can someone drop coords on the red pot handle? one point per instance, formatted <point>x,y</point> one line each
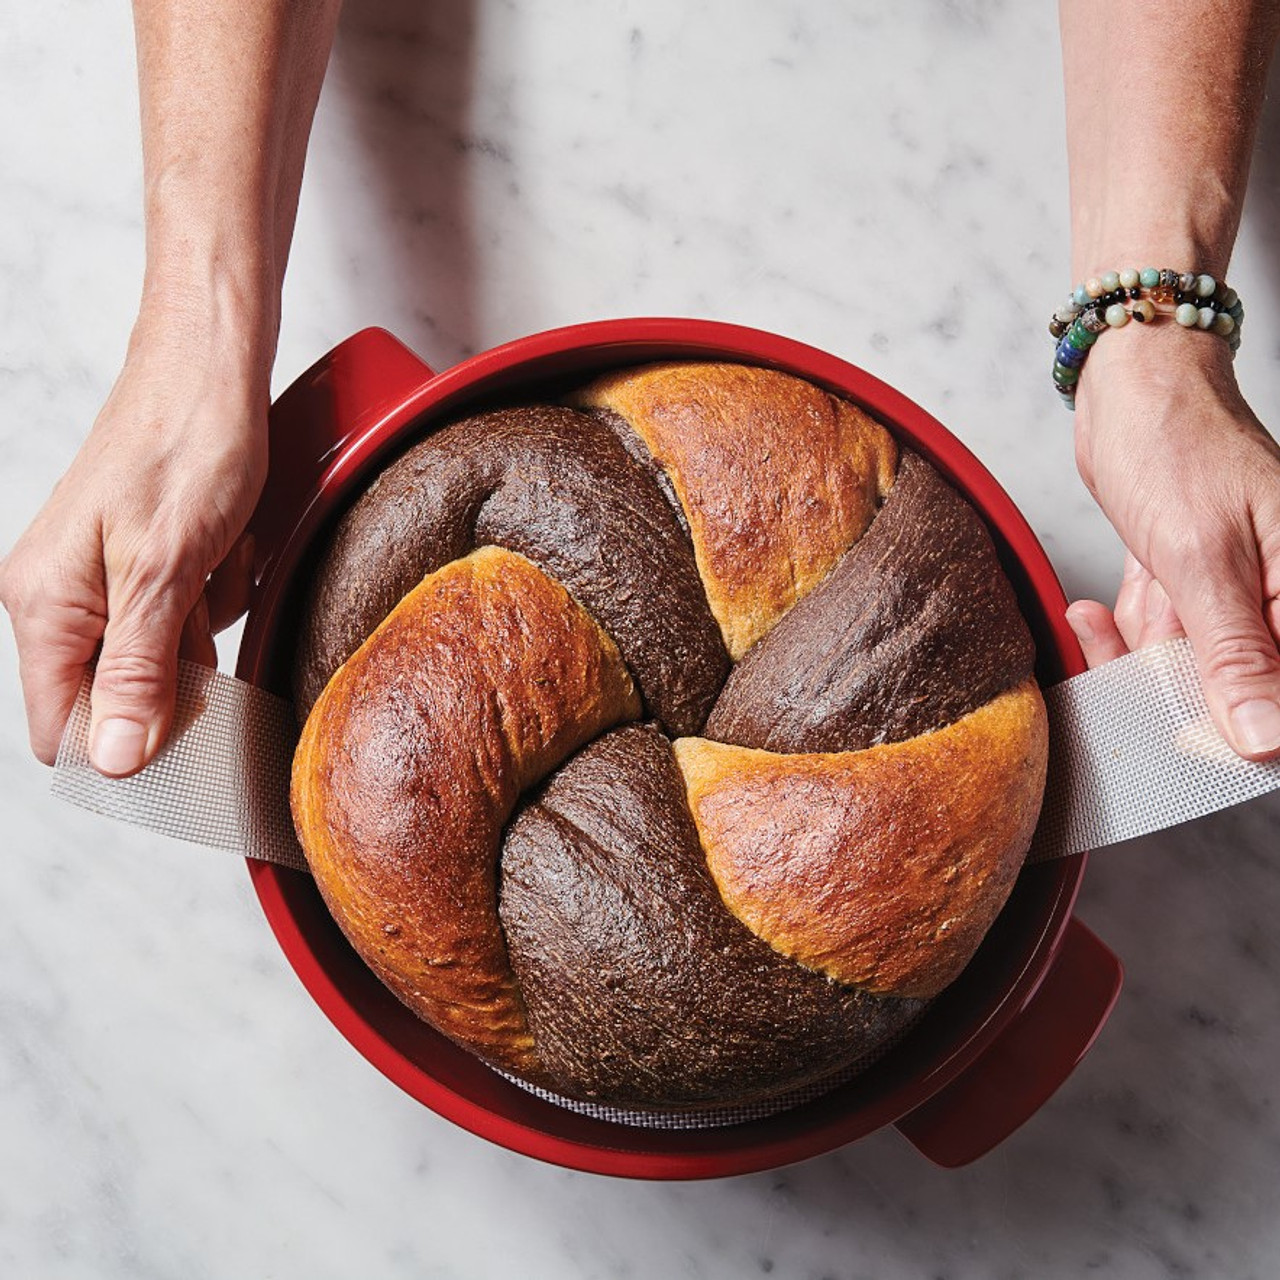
<point>341,397</point>
<point>1026,1064</point>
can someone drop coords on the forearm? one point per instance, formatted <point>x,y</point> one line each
<point>228,92</point>
<point>1163,98</point>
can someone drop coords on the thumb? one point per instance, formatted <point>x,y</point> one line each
<point>1220,603</point>
<point>133,687</point>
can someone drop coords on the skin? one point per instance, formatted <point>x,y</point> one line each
<point>139,547</point>
<point>1164,440</point>
<point>139,550</point>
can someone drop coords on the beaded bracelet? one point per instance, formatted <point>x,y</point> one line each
<point>1194,301</point>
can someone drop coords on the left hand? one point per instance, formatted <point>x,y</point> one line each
<point>1191,481</point>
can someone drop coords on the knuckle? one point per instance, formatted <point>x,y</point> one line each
<point>1197,547</point>
<point>1202,547</point>
<point>131,676</point>
<point>157,580</point>
<point>1236,658</point>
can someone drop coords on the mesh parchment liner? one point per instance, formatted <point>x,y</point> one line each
<point>222,778</point>
<point>1132,750</point>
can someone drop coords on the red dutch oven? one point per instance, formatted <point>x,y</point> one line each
<point>988,1052</point>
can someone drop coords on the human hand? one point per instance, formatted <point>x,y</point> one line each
<point>139,547</point>
<point>1191,481</point>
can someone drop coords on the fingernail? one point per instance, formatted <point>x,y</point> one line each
<point>1257,725</point>
<point>118,746</point>
<point>1080,625</point>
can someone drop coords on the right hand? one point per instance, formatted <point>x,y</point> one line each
<point>139,549</point>
<point>1191,481</point>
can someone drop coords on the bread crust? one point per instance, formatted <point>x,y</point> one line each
<point>660,925</point>
<point>559,488</point>
<point>777,478</point>
<point>482,679</point>
<point>881,868</point>
<point>914,628</point>
<point>641,989</point>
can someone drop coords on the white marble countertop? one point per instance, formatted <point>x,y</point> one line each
<point>889,187</point>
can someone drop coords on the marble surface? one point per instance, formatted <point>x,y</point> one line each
<point>882,181</point>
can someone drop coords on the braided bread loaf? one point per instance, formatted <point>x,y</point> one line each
<point>669,746</point>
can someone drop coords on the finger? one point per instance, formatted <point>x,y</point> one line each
<point>55,645</point>
<point>230,585</point>
<point>1096,629</point>
<point>196,642</point>
<point>133,687</point>
<point>1219,598</point>
<point>1131,602</point>
<point>1160,619</point>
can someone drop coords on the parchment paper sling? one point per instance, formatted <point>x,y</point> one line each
<point>1132,751</point>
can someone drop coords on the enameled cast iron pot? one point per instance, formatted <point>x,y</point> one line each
<point>989,1051</point>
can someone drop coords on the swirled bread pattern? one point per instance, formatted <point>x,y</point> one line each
<point>668,746</point>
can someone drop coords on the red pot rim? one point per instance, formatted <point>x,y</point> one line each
<point>999,983</point>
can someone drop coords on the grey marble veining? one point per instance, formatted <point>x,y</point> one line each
<point>883,181</point>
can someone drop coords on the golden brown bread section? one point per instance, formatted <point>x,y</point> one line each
<point>777,478</point>
<point>481,680</point>
<point>881,868</point>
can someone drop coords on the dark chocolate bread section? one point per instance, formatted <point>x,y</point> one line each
<point>641,989</point>
<point>915,627</point>
<point>558,487</point>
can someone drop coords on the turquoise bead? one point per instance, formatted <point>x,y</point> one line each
<point>1205,286</point>
<point>1110,282</point>
<point>1128,278</point>
<point>1117,317</point>
<point>1149,277</point>
<point>1081,296</point>
<point>1187,315</point>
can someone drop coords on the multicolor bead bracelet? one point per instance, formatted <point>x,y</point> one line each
<point>1110,301</point>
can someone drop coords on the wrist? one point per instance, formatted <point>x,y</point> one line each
<point>1187,235</point>
<point>1175,309</point>
<point>215,258</point>
<point>1147,388</point>
<point>1159,357</point>
<point>211,299</point>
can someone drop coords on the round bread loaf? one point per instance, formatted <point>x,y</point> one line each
<point>670,746</point>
